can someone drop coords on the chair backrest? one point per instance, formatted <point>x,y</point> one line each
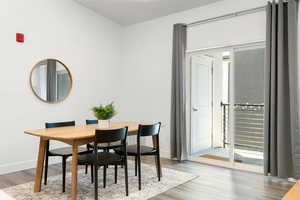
<point>56,125</point>
<point>91,121</point>
<point>111,136</point>
<point>118,136</point>
<point>149,130</point>
<point>59,124</point>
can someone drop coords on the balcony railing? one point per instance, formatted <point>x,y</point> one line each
<point>249,126</point>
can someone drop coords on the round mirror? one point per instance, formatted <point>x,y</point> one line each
<point>51,81</point>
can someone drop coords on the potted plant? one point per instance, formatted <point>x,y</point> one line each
<point>104,113</point>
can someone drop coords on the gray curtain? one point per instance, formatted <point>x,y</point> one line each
<point>282,141</point>
<point>63,85</point>
<point>178,103</point>
<point>51,81</point>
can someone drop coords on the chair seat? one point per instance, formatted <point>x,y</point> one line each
<point>66,151</point>
<point>132,150</point>
<point>104,158</point>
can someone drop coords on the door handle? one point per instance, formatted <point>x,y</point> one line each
<point>195,109</point>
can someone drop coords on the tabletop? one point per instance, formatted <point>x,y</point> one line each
<point>79,131</point>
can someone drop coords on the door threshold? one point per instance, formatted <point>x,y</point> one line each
<point>228,164</point>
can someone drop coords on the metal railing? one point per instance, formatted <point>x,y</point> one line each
<point>249,126</point>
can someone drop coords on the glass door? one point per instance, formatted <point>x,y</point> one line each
<point>247,110</point>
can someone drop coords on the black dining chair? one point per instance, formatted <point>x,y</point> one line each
<point>90,146</point>
<point>139,150</point>
<point>105,158</point>
<point>64,152</point>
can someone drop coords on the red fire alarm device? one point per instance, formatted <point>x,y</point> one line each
<point>20,37</point>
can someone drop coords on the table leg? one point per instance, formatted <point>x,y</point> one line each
<point>74,170</point>
<point>154,140</point>
<point>39,166</point>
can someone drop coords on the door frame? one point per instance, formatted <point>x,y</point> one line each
<point>231,164</point>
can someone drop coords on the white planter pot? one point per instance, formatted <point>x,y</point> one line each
<point>103,123</point>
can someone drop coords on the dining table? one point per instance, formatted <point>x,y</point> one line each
<point>75,136</point>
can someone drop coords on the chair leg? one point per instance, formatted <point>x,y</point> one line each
<point>158,165</point>
<point>64,173</point>
<point>126,177</point>
<point>92,173</point>
<point>139,172</point>
<point>104,176</point>
<point>107,150</point>
<point>136,165</point>
<point>87,166</point>
<point>96,182</point>
<point>46,169</point>
<point>116,174</point>
<point>86,169</point>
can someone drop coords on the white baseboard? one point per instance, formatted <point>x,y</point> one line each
<point>23,165</point>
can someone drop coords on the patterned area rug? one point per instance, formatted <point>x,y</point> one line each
<point>150,185</point>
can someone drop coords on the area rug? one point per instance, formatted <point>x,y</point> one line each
<point>150,185</point>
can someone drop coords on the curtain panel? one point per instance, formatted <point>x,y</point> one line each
<point>282,140</point>
<point>178,101</point>
<point>51,81</point>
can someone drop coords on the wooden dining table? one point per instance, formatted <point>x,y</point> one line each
<point>75,136</point>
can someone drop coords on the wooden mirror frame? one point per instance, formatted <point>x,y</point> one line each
<point>70,75</point>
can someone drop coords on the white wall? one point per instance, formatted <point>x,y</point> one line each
<point>237,30</point>
<point>86,42</point>
<point>147,58</point>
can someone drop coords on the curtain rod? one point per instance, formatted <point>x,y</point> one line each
<point>227,16</point>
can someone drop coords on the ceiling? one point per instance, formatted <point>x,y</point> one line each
<point>127,12</point>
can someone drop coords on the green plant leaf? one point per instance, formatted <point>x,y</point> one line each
<point>104,112</point>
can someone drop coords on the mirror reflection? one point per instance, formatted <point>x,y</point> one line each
<point>51,81</point>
